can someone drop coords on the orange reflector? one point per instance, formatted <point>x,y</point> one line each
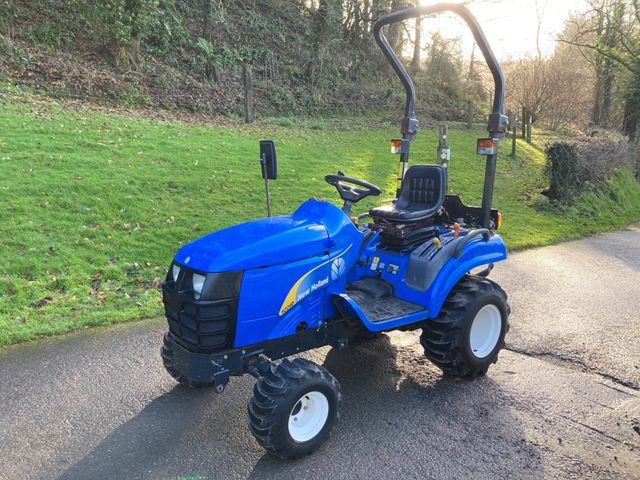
<point>456,230</point>
<point>396,146</point>
<point>499,221</point>
<point>487,146</point>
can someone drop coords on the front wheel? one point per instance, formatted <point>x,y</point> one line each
<point>294,408</point>
<point>466,337</point>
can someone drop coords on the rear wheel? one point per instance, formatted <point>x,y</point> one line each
<point>465,339</point>
<point>294,408</point>
<point>168,361</point>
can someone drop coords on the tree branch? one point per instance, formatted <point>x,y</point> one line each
<point>605,52</point>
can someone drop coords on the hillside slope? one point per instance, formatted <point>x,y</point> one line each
<point>305,57</point>
<point>95,204</point>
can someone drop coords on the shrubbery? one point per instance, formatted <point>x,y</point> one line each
<point>573,166</point>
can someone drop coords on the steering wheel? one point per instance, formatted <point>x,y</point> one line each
<point>347,191</point>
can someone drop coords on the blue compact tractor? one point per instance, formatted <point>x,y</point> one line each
<point>241,298</point>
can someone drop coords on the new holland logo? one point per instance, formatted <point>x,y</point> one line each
<point>313,280</point>
<point>337,268</point>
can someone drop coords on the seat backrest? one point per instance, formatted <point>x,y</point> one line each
<point>422,188</point>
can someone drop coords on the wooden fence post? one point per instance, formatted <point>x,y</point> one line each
<point>524,123</point>
<point>444,155</point>
<point>514,133</point>
<point>247,77</point>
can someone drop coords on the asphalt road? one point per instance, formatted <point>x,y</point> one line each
<point>562,402</point>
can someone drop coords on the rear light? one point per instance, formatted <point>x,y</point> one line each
<point>487,146</point>
<point>499,221</point>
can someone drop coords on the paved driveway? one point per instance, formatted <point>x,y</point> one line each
<point>562,402</point>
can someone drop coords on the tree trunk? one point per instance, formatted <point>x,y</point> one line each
<point>471,78</point>
<point>328,20</point>
<point>597,60</point>
<point>366,14</point>
<point>606,93</point>
<point>247,77</point>
<point>514,129</point>
<point>631,119</point>
<point>9,16</point>
<point>608,34</point>
<point>328,28</point>
<point>417,48</point>
<point>394,32</point>
<point>205,8</point>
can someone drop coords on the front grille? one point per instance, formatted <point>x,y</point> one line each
<point>203,326</point>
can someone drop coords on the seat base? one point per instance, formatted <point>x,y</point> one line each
<point>413,213</point>
<point>404,235</point>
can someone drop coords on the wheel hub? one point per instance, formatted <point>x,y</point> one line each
<point>308,416</point>
<point>485,330</point>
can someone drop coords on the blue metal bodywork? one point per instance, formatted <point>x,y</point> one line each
<point>296,267</point>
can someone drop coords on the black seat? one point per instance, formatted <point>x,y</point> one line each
<point>421,196</point>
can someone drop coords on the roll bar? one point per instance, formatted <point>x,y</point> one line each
<point>498,122</point>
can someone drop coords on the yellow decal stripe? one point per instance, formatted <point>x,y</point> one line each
<point>290,299</point>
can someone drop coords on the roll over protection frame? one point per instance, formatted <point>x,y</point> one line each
<point>497,123</point>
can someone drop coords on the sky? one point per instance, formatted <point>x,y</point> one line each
<point>510,25</point>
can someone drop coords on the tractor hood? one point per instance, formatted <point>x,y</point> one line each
<point>268,241</point>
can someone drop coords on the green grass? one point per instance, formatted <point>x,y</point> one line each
<point>94,205</point>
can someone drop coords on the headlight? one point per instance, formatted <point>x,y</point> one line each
<point>198,284</point>
<point>175,271</point>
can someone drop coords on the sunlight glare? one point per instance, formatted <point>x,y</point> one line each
<point>509,25</point>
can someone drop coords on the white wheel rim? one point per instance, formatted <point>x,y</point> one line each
<point>485,330</point>
<point>308,416</point>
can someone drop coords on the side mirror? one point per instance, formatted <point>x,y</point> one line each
<point>268,159</point>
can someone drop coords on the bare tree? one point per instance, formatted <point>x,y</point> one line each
<point>528,85</point>
<point>612,33</point>
<point>571,86</point>
<point>540,9</point>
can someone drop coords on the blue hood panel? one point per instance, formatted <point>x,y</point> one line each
<point>268,241</point>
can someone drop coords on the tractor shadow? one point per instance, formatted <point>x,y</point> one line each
<point>400,417</point>
<point>136,447</point>
<point>179,435</point>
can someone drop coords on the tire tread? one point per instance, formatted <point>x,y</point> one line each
<point>441,336</point>
<point>166,352</point>
<point>271,390</point>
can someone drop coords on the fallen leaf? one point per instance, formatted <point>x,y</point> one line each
<point>42,302</point>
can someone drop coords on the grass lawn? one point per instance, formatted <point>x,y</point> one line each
<point>94,205</point>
